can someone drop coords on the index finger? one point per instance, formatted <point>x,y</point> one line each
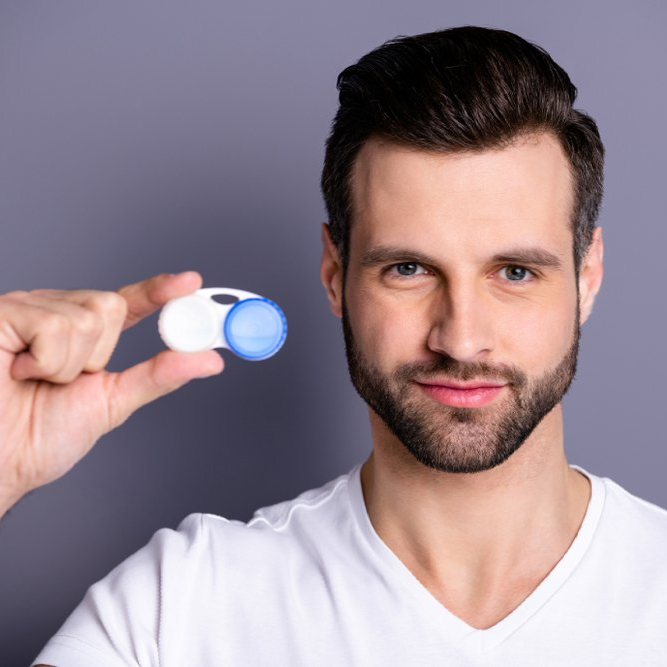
<point>145,297</point>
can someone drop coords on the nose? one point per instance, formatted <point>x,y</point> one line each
<point>462,323</point>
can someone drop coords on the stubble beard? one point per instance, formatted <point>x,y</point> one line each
<point>455,439</point>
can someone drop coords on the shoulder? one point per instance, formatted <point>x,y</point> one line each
<point>308,519</point>
<point>632,524</point>
<point>210,553</point>
<point>626,561</point>
<point>627,506</point>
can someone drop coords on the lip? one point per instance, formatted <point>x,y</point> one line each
<point>475,384</point>
<point>470,395</point>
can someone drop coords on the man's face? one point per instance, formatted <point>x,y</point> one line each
<point>461,273</point>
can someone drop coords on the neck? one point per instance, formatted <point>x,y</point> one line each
<point>475,539</point>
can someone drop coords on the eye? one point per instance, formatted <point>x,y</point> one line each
<point>517,274</point>
<point>407,269</point>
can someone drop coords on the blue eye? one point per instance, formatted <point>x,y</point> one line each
<point>407,269</point>
<point>516,273</point>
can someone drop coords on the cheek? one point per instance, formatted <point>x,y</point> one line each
<point>386,331</point>
<point>539,338</point>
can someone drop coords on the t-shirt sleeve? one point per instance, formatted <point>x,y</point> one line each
<point>120,619</point>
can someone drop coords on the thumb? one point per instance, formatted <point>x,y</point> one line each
<point>135,387</point>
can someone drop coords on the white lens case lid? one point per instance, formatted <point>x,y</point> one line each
<point>196,322</point>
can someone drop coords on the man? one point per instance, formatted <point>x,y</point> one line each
<point>462,256</point>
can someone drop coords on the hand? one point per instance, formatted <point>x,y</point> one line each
<point>56,399</point>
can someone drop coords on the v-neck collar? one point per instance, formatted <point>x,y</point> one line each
<point>456,629</point>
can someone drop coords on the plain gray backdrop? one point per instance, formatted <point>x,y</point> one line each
<point>143,137</point>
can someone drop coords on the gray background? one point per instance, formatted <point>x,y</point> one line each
<point>142,137</point>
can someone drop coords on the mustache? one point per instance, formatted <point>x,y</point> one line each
<point>434,369</point>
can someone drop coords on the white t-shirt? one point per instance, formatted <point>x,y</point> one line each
<point>309,582</point>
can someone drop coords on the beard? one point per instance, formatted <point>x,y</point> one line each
<point>457,439</point>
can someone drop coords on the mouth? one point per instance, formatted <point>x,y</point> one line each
<point>473,394</point>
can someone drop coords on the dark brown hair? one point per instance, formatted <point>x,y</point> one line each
<point>462,89</point>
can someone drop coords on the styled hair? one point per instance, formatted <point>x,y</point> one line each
<point>458,90</point>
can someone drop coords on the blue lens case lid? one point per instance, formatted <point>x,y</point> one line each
<point>255,328</point>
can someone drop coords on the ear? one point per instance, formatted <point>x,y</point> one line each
<point>590,275</point>
<point>331,273</point>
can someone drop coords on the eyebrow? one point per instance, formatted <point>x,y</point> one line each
<point>532,256</point>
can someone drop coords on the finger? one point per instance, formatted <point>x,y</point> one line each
<point>115,310</point>
<point>17,324</point>
<point>60,338</point>
<point>164,373</point>
<point>145,297</point>
<point>47,346</point>
<point>110,308</point>
<point>113,316</point>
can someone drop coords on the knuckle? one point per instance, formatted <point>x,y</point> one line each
<point>55,325</point>
<point>112,303</point>
<point>89,323</point>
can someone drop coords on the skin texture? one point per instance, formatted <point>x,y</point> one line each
<point>479,541</point>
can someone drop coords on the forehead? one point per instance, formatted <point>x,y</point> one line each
<point>467,201</point>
